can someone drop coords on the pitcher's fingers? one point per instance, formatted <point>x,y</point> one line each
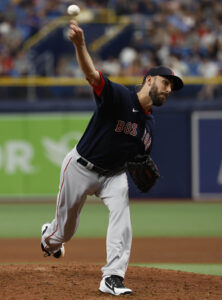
<point>73,22</point>
<point>75,28</point>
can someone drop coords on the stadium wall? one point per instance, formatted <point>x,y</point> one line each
<point>39,125</point>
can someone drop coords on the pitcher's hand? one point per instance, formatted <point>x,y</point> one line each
<point>76,34</point>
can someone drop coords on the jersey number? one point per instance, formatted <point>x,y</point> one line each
<point>127,128</point>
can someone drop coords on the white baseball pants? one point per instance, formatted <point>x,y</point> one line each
<point>76,182</point>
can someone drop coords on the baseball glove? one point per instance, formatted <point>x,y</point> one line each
<point>143,172</point>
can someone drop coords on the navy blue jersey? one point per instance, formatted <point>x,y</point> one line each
<point>118,130</point>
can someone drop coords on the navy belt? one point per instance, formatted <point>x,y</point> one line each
<point>97,169</point>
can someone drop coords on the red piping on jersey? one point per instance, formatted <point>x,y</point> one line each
<point>99,88</point>
<point>148,112</point>
<point>60,190</point>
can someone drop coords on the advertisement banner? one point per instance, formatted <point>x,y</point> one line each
<point>207,155</point>
<point>32,148</point>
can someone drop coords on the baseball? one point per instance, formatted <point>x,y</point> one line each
<point>73,10</point>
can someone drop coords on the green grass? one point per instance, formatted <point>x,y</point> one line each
<point>177,219</point>
<point>209,269</point>
<point>168,219</point>
<point>150,219</point>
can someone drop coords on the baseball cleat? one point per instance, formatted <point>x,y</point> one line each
<point>59,253</point>
<point>114,285</point>
<point>44,228</point>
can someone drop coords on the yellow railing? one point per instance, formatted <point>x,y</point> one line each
<point>69,81</point>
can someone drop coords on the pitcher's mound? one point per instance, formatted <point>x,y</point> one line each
<point>81,281</point>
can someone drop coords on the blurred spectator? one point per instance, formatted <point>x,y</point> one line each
<point>184,34</point>
<point>127,56</point>
<point>134,68</point>
<point>64,67</point>
<point>208,69</point>
<point>111,66</point>
<point>178,65</point>
<point>22,65</point>
<point>6,63</point>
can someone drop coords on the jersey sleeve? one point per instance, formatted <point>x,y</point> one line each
<point>99,88</point>
<point>107,93</point>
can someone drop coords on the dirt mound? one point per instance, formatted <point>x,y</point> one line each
<point>26,274</point>
<point>80,281</point>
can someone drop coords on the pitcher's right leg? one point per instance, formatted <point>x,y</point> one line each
<point>75,183</point>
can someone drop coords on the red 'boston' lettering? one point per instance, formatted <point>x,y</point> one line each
<point>134,129</point>
<point>120,125</point>
<point>127,128</point>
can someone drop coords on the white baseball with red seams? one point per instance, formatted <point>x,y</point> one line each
<point>73,10</point>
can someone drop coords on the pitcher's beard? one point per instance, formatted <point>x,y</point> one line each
<point>157,98</point>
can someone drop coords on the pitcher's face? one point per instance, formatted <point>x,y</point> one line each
<point>160,90</point>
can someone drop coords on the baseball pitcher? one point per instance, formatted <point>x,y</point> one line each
<point>118,137</point>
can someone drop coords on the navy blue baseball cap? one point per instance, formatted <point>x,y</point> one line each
<point>165,72</point>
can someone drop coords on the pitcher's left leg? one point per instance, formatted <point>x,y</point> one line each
<point>119,234</point>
